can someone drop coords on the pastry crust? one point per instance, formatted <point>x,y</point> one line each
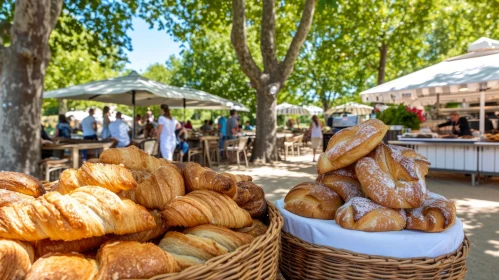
<point>251,198</point>
<point>16,258</point>
<point>351,144</point>
<point>21,183</point>
<point>343,181</point>
<point>312,200</point>
<point>199,178</point>
<point>63,266</point>
<point>133,158</point>
<point>10,197</point>
<point>435,215</point>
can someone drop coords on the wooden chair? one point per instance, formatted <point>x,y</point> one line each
<point>289,143</point>
<point>297,143</point>
<point>150,146</point>
<point>237,146</point>
<point>212,146</point>
<point>50,169</point>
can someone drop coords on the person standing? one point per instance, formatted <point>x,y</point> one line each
<point>119,131</point>
<point>89,126</point>
<point>232,125</point>
<point>166,133</point>
<point>63,129</point>
<point>460,125</point>
<point>105,123</point>
<point>315,131</point>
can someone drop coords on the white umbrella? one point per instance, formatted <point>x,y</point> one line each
<point>289,109</point>
<point>314,110</point>
<point>352,108</point>
<point>464,78</point>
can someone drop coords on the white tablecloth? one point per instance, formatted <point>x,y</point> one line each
<point>397,244</point>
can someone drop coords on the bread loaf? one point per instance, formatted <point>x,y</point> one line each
<point>312,200</point>
<point>63,266</point>
<point>435,215</point>
<point>21,183</point>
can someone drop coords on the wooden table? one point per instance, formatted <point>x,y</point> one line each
<point>75,149</point>
<point>203,141</point>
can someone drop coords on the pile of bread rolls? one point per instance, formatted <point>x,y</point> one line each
<point>366,185</point>
<point>128,216</point>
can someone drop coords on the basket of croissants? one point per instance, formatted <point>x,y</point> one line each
<point>369,215</point>
<point>131,215</point>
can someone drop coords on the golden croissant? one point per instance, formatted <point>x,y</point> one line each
<point>157,189</point>
<point>21,183</point>
<point>63,266</point>
<point>115,178</point>
<point>133,158</point>
<point>205,207</point>
<point>84,213</point>
<point>199,244</point>
<point>435,215</point>
<point>363,214</point>
<point>393,176</point>
<point>9,197</point>
<point>251,198</point>
<point>351,144</point>
<point>16,258</point>
<point>200,178</point>
<point>131,259</point>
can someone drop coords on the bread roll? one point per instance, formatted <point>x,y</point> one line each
<point>363,214</point>
<point>130,259</point>
<point>351,144</point>
<point>393,176</point>
<point>63,266</point>
<point>312,200</point>
<point>21,183</point>
<point>342,181</point>
<point>251,198</point>
<point>435,215</point>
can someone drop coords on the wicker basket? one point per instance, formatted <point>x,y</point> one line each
<point>257,260</point>
<point>302,260</point>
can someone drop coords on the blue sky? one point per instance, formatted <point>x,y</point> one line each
<point>149,46</point>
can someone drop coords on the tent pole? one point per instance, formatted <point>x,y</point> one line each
<point>482,110</point>
<point>133,113</point>
<point>184,110</point>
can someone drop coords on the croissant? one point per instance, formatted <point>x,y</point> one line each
<point>343,181</point>
<point>255,204</point>
<point>46,246</point>
<point>199,178</point>
<point>15,259</point>
<point>132,158</point>
<point>205,207</point>
<point>22,183</point>
<point>86,212</point>
<point>131,259</point>
<point>156,190</point>
<point>312,200</point>
<point>351,144</point>
<point>363,214</point>
<point>435,215</point>
<point>63,266</point>
<point>256,229</point>
<point>199,244</point>
<point>9,197</point>
<point>393,176</point>
<point>115,178</point>
<point>238,177</point>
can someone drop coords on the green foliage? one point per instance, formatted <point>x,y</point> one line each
<point>399,115</point>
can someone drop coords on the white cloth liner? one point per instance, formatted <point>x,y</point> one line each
<point>395,244</point>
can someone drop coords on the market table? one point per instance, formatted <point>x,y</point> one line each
<point>75,149</point>
<point>203,141</point>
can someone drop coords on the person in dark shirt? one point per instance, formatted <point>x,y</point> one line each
<point>489,126</point>
<point>460,125</point>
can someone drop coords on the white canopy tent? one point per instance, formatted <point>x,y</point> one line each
<point>471,77</point>
<point>314,110</point>
<point>290,109</point>
<point>351,107</point>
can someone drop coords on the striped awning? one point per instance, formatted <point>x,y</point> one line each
<point>289,109</point>
<point>351,108</point>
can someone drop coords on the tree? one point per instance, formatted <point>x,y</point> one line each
<point>25,28</point>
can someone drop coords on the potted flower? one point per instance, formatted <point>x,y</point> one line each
<point>398,117</point>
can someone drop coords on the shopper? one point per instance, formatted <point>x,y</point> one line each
<point>89,126</point>
<point>166,133</point>
<point>63,129</point>
<point>105,123</point>
<point>315,131</point>
<point>119,130</point>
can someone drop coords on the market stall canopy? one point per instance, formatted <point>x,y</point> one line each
<point>314,110</point>
<point>352,108</point>
<point>290,109</point>
<point>457,79</point>
<point>134,89</point>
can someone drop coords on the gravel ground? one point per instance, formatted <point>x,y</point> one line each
<point>477,207</point>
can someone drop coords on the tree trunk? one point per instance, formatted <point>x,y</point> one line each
<point>266,126</point>
<point>23,70</point>
<point>63,106</point>
<point>383,52</point>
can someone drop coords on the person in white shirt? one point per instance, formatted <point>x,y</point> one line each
<point>119,130</point>
<point>166,133</point>
<point>89,126</point>
<point>315,132</point>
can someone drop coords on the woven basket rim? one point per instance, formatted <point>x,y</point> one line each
<point>230,259</point>
<point>463,249</point>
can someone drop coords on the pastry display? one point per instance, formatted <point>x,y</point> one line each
<point>363,214</point>
<point>351,144</point>
<point>435,215</point>
<point>63,266</point>
<point>393,176</point>
<point>313,200</point>
<point>96,221</point>
<point>343,181</point>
